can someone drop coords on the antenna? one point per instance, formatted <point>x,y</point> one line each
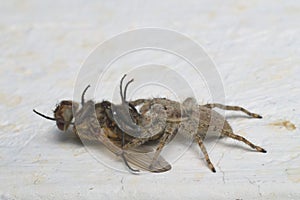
<point>83,93</point>
<point>42,115</point>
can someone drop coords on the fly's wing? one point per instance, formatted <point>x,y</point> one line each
<point>87,128</point>
<point>141,160</point>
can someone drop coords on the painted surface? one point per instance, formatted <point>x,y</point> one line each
<point>255,45</point>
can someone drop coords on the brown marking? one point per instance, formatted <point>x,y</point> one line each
<point>287,124</point>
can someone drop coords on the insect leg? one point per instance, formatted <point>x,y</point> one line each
<point>138,102</point>
<point>103,137</point>
<point>203,149</point>
<point>127,165</point>
<point>125,160</point>
<point>240,138</point>
<point>146,107</point>
<point>170,130</point>
<point>146,132</point>
<point>235,108</point>
<point>135,143</point>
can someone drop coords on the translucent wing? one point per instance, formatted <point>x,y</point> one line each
<point>141,160</point>
<point>87,127</point>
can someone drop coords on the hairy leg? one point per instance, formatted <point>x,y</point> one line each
<point>203,149</point>
<point>234,108</point>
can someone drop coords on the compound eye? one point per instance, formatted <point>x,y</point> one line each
<point>63,115</point>
<point>60,125</point>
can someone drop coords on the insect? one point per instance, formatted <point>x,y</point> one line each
<point>158,119</point>
<point>200,119</point>
<point>132,123</point>
<point>93,123</point>
<point>167,118</point>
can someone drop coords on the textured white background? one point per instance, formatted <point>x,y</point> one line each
<point>255,45</point>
